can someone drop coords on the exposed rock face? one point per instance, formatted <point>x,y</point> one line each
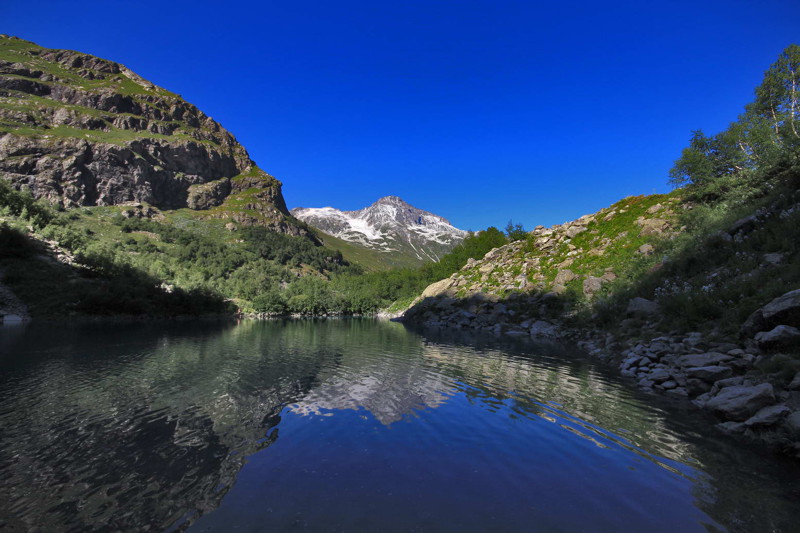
<point>390,224</point>
<point>78,130</point>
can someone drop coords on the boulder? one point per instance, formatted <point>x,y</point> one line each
<point>792,422</point>
<point>592,286</point>
<point>646,249</point>
<point>744,225</point>
<point>768,416</point>
<point>754,323</point>
<point>778,337</point>
<point>702,359</point>
<point>543,329</point>
<point>784,309</point>
<point>563,277</point>
<point>741,402</point>
<point>437,288</point>
<point>695,386</point>
<point>659,375</point>
<point>641,307</point>
<point>795,384</point>
<point>772,259</point>
<point>653,226</point>
<point>572,231</point>
<point>709,373</point>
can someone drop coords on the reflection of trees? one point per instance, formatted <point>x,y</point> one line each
<point>559,389</point>
<point>146,426</point>
<point>136,428</point>
<point>738,488</point>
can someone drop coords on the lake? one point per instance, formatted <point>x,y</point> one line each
<point>354,425</point>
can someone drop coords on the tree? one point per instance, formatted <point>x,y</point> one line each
<point>766,131</point>
<point>515,232</point>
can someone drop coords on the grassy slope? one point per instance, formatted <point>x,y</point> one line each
<point>614,235</point>
<point>371,260</point>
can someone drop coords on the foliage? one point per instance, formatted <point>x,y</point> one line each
<point>764,135</point>
<point>515,232</point>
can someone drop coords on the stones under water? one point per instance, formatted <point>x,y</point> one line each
<point>353,425</point>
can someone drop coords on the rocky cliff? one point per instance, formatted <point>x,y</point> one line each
<point>78,130</point>
<point>390,225</point>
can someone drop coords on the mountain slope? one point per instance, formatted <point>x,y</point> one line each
<point>78,130</point>
<point>390,226</point>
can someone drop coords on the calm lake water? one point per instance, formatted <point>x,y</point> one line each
<point>353,425</point>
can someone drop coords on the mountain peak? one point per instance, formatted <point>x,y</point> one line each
<point>388,225</point>
<point>391,200</point>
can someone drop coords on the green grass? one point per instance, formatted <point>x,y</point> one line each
<point>371,260</point>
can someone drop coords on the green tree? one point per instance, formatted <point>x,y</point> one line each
<point>515,232</point>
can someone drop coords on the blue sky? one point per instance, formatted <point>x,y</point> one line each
<point>481,111</point>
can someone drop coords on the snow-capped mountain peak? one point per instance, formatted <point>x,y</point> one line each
<point>389,225</point>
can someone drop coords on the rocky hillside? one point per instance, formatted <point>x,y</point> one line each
<point>390,226</point>
<point>708,313</point>
<point>575,259</point>
<point>78,130</point>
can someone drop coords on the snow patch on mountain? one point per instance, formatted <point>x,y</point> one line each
<point>389,225</point>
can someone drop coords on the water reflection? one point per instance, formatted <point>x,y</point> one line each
<point>151,426</point>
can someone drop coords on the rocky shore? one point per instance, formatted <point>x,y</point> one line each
<point>749,383</point>
<point>537,287</point>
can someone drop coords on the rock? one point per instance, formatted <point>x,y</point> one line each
<point>563,277</point>
<point>207,195</point>
<point>709,373</point>
<point>695,386</point>
<point>646,249</point>
<point>437,288</point>
<point>795,384</point>
<point>646,383</point>
<point>659,375</point>
<point>784,309</point>
<point>543,329</point>
<point>669,384</point>
<point>743,225</point>
<point>741,402</point>
<point>641,307</point>
<point>792,422</point>
<point>557,289</point>
<point>592,286</point>
<point>772,259</point>
<point>754,323</point>
<point>729,382</point>
<point>608,276</point>
<point>768,416</point>
<point>731,427</point>
<point>653,226</point>
<point>572,231</point>
<point>702,359</point>
<point>779,337</point>
<point>162,145</point>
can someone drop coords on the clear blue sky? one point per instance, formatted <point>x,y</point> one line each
<point>481,111</point>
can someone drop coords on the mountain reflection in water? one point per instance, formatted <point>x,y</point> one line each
<point>154,426</point>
